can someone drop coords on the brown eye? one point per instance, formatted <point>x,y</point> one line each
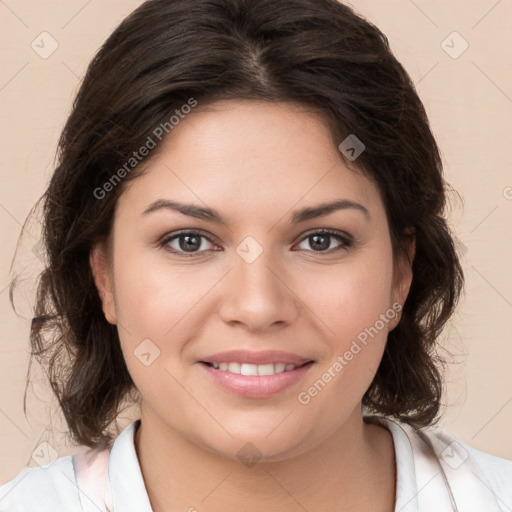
<point>321,241</point>
<point>190,242</point>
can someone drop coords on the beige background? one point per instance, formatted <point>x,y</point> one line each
<point>468,99</point>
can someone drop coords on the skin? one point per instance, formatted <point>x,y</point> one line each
<point>254,163</point>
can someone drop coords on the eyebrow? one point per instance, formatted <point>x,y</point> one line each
<point>302,215</point>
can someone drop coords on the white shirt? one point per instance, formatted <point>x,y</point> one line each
<point>478,481</point>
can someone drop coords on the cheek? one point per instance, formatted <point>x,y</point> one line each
<point>152,296</point>
<point>160,308</point>
<point>353,304</point>
<point>350,297</point>
<point>154,311</point>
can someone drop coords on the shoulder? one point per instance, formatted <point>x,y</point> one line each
<point>497,470</point>
<point>462,462</point>
<point>436,469</point>
<point>45,488</point>
<point>491,464</point>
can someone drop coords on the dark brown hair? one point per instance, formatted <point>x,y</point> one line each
<point>315,53</point>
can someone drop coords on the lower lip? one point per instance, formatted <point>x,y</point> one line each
<point>256,386</point>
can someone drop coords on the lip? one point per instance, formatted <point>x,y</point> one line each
<point>252,357</point>
<point>256,386</point>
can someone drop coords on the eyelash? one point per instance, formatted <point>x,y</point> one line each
<point>346,240</point>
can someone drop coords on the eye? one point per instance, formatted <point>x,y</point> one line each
<point>190,242</point>
<point>186,243</point>
<point>320,241</point>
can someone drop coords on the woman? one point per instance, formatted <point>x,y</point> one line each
<point>246,234</point>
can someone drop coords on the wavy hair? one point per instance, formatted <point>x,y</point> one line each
<point>316,53</point>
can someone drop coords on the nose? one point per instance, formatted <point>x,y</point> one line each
<point>259,295</point>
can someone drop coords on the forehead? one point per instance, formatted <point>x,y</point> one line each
<point>246,154</point>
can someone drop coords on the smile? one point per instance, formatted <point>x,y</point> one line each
<point>236,376</point>
<point>253,369</point>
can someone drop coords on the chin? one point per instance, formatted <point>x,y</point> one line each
<point>260,442</point>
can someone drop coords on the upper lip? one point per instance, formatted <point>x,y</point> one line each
<point>258,357</point>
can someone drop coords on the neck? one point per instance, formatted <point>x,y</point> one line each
<point>181,475</point>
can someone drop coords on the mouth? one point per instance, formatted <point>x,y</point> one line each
<point>255,375</point>
<point>248,369</point>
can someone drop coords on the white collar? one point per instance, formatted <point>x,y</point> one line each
<point>126,480</point>
<point>426,478</point>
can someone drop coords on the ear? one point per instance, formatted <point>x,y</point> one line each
<point>403,276</point>
<point>98,260</point>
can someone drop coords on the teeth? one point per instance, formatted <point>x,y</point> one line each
<point>249,369</point>
<point>254,369</point>
<point>233,367</point>
<point>265,369</point>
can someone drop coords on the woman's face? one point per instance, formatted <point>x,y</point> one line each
<point>259,278</point>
